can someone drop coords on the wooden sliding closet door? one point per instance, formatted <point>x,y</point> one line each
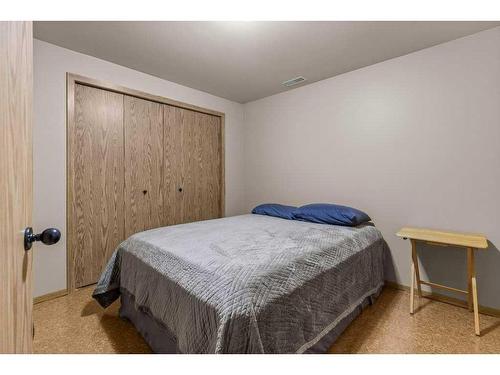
<point>96,179</point>
<point>135,161</point>
<point>143,126</point>
<point>192,165</point>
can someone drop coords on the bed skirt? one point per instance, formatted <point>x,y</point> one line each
<point>161,340</point>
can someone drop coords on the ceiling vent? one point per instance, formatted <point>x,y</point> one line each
<point>294,81</point>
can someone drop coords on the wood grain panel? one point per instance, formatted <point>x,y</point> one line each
<point>16,90</point>
<point>96,178</point>
<point>207,167</point>
<point>173,165</point>
<point>143,127</point>
<point>193,163</point>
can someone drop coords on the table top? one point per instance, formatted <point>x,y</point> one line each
<point>477,241</point>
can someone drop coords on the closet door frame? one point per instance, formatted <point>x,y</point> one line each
<point>71,81</point>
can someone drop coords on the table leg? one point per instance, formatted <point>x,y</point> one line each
<point>412,287</point>
<point>470,255</point>
<point>474,292</point>
<point>415,262</point>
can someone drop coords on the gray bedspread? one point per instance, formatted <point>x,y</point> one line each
<point>247,284</point>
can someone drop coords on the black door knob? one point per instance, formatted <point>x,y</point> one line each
<point>49,236</point>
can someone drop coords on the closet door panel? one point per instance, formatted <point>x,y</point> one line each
<point>192,162</point>
<point>173,164</point>
<point>205,166</point>
<point>96,181</point>
<point>143,125</point>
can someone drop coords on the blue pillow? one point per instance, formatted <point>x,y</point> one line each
<point>335,214</point>
<point>274,209</point>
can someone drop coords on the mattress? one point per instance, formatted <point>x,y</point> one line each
<point>245,284</point>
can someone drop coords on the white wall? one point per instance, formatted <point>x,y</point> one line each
<point>412,141</point>
<point>49,134</point>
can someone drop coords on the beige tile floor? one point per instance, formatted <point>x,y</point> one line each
<point>76,324</point>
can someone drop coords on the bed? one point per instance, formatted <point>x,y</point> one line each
<point>244,284</point>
